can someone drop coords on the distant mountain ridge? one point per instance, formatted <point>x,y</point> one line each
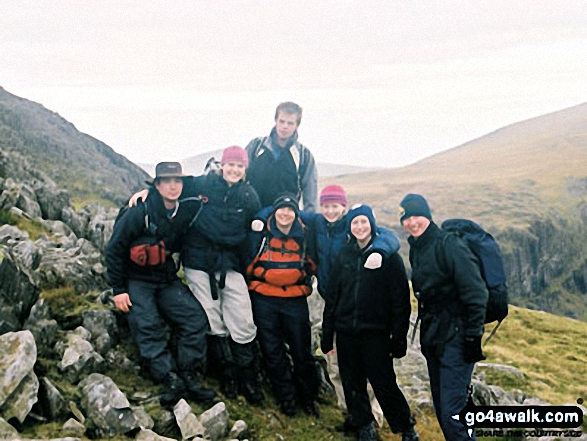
<point>196,164</point>
<point>85,167</point>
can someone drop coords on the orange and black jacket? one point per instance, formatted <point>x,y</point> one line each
<point>283,264</point>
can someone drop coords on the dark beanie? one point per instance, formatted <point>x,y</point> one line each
<point>287,200</point>
<point>413,205</point>
<point>362,210</point>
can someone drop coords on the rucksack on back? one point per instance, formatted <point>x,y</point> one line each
<point>490,261</point>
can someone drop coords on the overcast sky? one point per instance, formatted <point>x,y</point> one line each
<point>381,82</point>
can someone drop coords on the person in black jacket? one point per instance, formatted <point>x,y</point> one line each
<point>369,311</point>
<point>145,285</point>
<point>452,298</point>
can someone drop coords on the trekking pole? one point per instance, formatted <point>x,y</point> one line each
<point>493,331</point>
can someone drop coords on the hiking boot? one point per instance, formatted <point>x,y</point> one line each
<point>311,408</point>
<point>410,435</point>
<point>195,390</point>
<point>249,386</point>
<point>368,432</point>
<point>288,407</point>
<point>174,389</point>
<point>229,384</point>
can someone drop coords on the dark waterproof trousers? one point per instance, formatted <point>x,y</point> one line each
<point>282,320</point>
<point>153,306</point>
<point>450,377</point>
<point>365,356</point>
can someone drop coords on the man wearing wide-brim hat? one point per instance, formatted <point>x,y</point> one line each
<point>145,285</point>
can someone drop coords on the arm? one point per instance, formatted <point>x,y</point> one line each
<point>331,299</point>
<point>469,284</point>
<point>401,309</point>
<point>308,180</point>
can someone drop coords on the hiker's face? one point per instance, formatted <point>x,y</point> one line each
<point>169,188</point>
<point>285,125</point>
<point>361,228</point>
<point>415,225</point>
<point>332,211</point>
<point>232,172</point>
<point>284,217</point>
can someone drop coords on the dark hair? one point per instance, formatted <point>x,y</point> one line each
<point>291,109</point>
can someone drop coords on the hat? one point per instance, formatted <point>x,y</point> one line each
<point>414,205</point>
<point>287,200</point>
<point>235,154</point>
<point>333,194</point>
<point>169,170</point>
<point>362,210</point>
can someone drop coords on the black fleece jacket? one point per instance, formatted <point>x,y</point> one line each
<point>452,294</point>
<point>360,299</point>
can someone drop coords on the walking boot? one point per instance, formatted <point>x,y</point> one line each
<point>368,432</point>
<point>194,388</point>
<point>219,347</point>
<point>249,386</point>
<point>229,384</point>
<point>288,407</point>
<point>410,435</point>
<point>311,408</point>
<point>174,389</point>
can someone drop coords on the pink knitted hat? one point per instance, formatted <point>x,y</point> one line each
<point>235,154</point>
<point>333,194</point>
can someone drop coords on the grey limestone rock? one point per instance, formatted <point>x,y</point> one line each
<point>78,355</point>
<point>215,420</point>
<point>51,400</point>
<point>189,424</point>
<point>239,429</point>
<point>106,406</point>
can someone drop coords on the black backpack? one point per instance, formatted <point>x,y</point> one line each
<point>488,254</point>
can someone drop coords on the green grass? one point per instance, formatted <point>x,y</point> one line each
<point>32,227</point>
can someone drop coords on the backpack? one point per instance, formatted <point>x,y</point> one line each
<point>488,254</point>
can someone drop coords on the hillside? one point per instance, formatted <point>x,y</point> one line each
<point>84,166</point>
<point>525,183</point>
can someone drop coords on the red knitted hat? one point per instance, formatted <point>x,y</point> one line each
<point>333,194</point>
<point>235,154</point>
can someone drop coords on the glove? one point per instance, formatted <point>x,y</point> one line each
<point>472,350</point>
<point>327,342</point>
<point>373,261</point>
<point>398,348</point>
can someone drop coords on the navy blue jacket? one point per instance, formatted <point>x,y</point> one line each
<point>218,238</point>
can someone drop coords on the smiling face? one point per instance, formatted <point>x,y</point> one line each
<point>232,172</point>
<point>361,229</point>
<point>284,218</point>
<point>415,225</point>
<point>285,126</point>
<point>170,188</point>
<point>332,211</point>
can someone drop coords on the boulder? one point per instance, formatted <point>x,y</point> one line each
<point>51,400</point>
<point>78,355</point>
<point>19,385</point>
<point>102,326</point>
<point>189,424</point>
<point>106,406</point>
<point>215,420</point>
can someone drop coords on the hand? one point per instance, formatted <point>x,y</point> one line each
<point>257,225</point>
<point>373,261</point>
<point>327,342</point>
<point>135,197</point>
<point>122,301</point>
<point>398,348</point>
<point>472,352</point>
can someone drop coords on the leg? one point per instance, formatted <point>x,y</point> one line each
<point>199,283</point>
<point>455,378</point>
<point>148,328</point>
<point>354,380</point>
<point>237,312</point>
<point>297,330</point>
<point>269,333</point>
<point>379,369</point>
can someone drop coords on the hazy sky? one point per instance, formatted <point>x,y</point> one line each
<point>381,82</point>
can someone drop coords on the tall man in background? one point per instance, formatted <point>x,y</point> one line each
<point>279,163</point>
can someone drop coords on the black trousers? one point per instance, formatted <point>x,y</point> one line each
<point>286,320</point>
<point>366,356</point>
<point>153,306</point>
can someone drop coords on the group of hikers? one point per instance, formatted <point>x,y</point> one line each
<point>250,255</point>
